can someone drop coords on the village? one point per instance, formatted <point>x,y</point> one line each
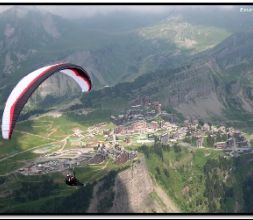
<point>143,123</point>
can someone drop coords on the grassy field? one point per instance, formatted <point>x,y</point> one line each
<point>54,198</point>
<point>186,35</point>
<point>202,180</point>
<point>39,135</point>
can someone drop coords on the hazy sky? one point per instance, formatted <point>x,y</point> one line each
<point>88,10</point>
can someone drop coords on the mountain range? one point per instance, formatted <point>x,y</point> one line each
<point>190,60</point>
<point>196,61</point>
<point>216,83</point>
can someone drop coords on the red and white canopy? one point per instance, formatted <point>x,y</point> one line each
<point>26,86</point>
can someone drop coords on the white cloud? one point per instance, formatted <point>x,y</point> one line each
<point>4,7</point>
<point>88,10</point>
<point>75,11</point>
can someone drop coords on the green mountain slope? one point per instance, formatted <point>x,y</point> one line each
<point>216,83</point>
<point>111,52</point>
<point>158,52</point>
<point>202,180</point>
<point>30,39</point>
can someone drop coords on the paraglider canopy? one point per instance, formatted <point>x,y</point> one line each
<point>26,87</point>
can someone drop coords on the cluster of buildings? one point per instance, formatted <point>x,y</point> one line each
<point>117,153</point>
<point>225,138</point>
<point>166,131</point>
<point>45,167</point>
<point>56,164</point>
<point>231,140</point>
<point>140,126</point>
<point>143,122</point>
<point>141,109</point>
<point>235,144</point>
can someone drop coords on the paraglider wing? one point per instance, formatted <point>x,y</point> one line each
<point>26,87</point>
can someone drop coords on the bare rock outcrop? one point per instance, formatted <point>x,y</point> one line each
<point>137,192</point>
<point>134,191</point>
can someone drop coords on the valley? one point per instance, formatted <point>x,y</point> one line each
<point>167,127</point>
<point>121,144</point>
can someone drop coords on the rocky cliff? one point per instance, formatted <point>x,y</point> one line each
<point>133,191</point>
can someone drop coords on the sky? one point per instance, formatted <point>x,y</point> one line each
<point>75,11</point>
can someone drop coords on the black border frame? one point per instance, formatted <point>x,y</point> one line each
<point>129,215</point>
<point>126,3</point>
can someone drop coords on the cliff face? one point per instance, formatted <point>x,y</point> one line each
<point>136,192</point>
<point>132,191</point>
<point>215,81</point>
<point>191,91</point>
